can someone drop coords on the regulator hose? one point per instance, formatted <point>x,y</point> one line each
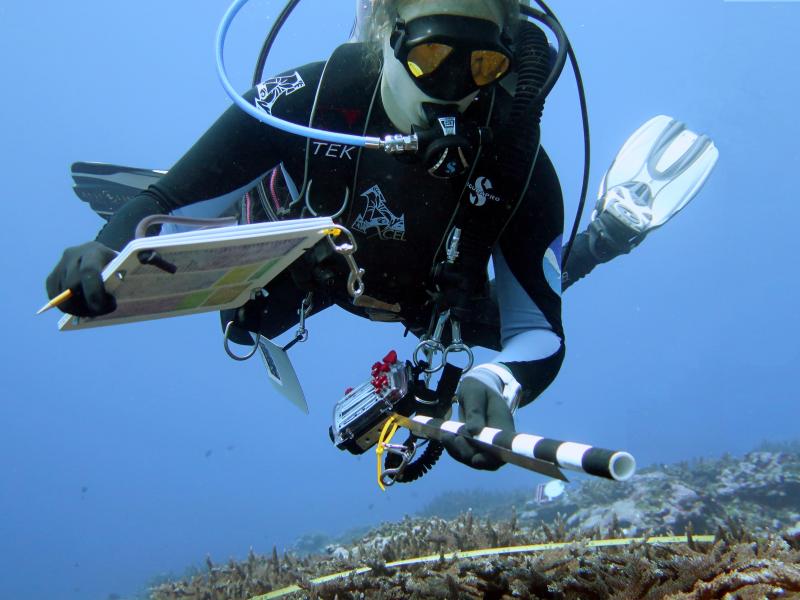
<point>584,117</point>
<point>515,146</point>
<point>517,153</point>
<point>258,74</point>
<point>261,62</point>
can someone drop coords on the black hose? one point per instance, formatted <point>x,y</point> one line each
<point>584,116</point>
<point>532,63</point>
<point>258,74</point>
<point>273,33</point>
<point>563,49</point>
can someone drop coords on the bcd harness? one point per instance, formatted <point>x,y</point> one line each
<point>503,144</point>
<point>501,148</point>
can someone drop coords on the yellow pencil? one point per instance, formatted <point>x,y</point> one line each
<point>62,297</point>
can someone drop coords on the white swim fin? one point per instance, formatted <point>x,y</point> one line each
<point>656,173</point>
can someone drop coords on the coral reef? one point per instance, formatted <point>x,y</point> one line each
<point>760,489</point>
<point>734,564</point>
<point>750,504</point>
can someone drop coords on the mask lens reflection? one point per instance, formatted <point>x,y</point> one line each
<point>426,58</point>
<point>488,66</point>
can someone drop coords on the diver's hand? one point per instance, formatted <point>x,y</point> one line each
<point>80,270</point>
<point>480,405</point>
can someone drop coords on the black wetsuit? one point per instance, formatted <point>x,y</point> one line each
<point>399,214</point>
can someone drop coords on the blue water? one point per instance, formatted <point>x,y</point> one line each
<point>138,450</point>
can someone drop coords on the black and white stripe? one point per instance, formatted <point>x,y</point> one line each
<point>533,452</point>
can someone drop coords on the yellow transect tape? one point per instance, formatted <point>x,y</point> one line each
<point>334,231</point>
<point>666,539</point>
<point>387,433</point>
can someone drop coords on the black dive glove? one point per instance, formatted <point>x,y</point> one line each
<point>480,406</point>
<point>80,270</point>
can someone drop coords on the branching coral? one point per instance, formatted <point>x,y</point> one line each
<point>744,562</point>
<point>735,564</point>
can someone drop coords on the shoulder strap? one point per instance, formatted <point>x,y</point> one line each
<point>345,93</point>
<point>501,175</point>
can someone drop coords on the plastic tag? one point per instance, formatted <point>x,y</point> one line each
<point>282,374</point>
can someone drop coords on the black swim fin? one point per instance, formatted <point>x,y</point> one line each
<point>106,188</point>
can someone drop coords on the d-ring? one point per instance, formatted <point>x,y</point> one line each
<point>433,347</point>
<point>334,215</point>
<point>231,352</point>
<point>460,348</point>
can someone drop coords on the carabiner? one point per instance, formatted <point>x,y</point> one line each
<point>457,345</point>
<point>355,281</point>
<point>301,335</point>
<point>454,348</point>
<point>390,476</point>
<point>431,348</point>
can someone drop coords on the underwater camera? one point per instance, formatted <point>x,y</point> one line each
<point>360,414</point>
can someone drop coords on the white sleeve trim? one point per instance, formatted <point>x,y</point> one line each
<point>501,380</point>
<point>535,344</point>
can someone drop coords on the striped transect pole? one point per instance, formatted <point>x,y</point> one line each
<point>533,452</point>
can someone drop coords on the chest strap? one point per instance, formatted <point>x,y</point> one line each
<point>345,94</point>
<point>499,179</point>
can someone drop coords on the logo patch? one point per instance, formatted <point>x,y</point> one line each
<point>377,216</point>
<point>448,125</point>
<point>551,265</point>
<point>333,150</point>
<point>271,90</point>
<point>479,192</point>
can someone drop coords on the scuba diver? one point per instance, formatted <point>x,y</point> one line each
<point>467,79</point>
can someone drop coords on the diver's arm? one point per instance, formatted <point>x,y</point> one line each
<point>527,279</point>
<point>234,153</point>
<point>528,286</point>
<point>228,159</point>
<point>529,300</point>
<point>533,345</point>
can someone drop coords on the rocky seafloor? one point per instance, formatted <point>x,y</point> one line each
<point>749,505</point>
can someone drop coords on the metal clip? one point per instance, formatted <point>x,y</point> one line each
<point>433,345</point>
<point>355,281</point>
<point>452,245</point>
<point>301,335</point>
<point>430,348</point>
<point>390,476</point>
<point>458,345</point>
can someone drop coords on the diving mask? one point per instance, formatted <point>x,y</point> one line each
<point>448,56</point>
